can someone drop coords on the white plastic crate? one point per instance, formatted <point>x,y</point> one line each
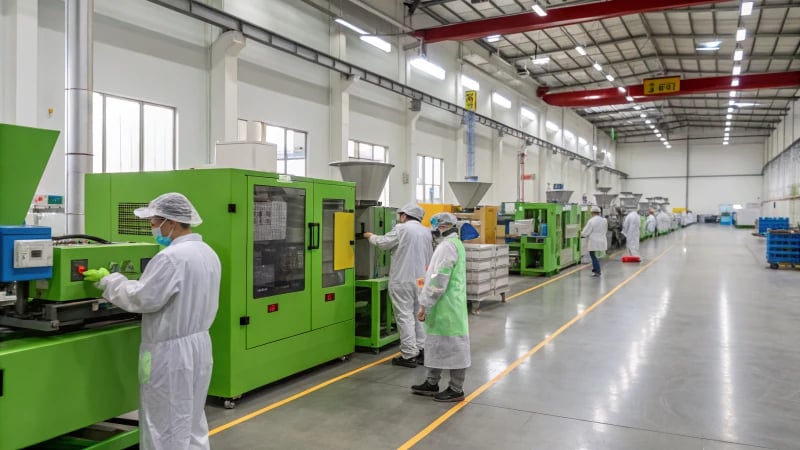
<point>479,276</point>
<point>480,265</point>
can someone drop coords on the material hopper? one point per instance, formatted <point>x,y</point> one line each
<point>469,193</point>
<point>559,196</point>
<point>369,176</point>
<point>604,200</point>
<point>604,190</point>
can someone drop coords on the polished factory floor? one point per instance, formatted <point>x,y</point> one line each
<point>698,347</point>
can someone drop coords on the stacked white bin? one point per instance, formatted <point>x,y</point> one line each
<point>487,271</point>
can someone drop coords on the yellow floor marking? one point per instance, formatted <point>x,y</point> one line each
<point>458,406</point>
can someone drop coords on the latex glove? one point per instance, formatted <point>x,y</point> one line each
<point>95,275</point>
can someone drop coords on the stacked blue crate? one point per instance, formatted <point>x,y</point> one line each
<point>783,248</point>
<point>772,223</point>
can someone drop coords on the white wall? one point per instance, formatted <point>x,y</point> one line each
<point>697,174</point>
<point>782,173</point>
<point>147,52</point>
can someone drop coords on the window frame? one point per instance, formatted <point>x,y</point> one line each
<point>263,126</point>
<point>421,177</point>
<point>384,198</point>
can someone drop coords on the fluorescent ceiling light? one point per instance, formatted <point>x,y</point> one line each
<point>643,115</point>
<point>493,38</point>
<point>666,144</point>
<point>734,82</point>
<point>629,98</point>
<point>428,67</point>
<point>347,24</point>
<point>663,139</point>
<point>731,102</point>
<point>469,83</point>
<point>727,128</point>
<point>658,134</point>
<point>738,54</point>
<point>730,109</point>
<point>724,142</point>
<point>737,69</point>
<point>527,113</point>
<point>669,146</point>
<point>741,34</point>
<point>656,131</point>
<point>541,60</point>
<point>375,41</point>
<point>647,121</point>
<point>539,10</point>
<point>727,124</point>
<point>652,126</point>
<point>732,94</point>
<point>709,46</point>
<point>597,67</point>
<point>747,8</point>
<point>580,50</point>
<point>637,107</point>
<point>729,117</point>
<point>727,134</point>
<point>500,100</point>
<point>551,126</point>
<point>746,105</point>
<point>609,77</point>
<point>622,90</point>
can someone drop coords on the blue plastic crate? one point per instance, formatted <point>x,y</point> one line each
<point>772,223</point>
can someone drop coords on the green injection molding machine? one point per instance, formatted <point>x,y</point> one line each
<point>286,246</point>
<point>538,238</point>
<point>570,236</point>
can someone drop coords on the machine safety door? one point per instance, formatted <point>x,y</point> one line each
<point>279,273</point>
<point>332,291</point>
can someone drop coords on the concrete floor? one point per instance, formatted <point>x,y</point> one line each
<point>697,351</point>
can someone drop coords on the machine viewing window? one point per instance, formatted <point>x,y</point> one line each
<point>370,152</point>
<point>292,145</point>
<point>330,277</point>
<point>279,239</point>
<point>429,179</point>
<point>132,135</point>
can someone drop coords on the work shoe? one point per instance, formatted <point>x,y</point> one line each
<point>596,274</point>
<point>425,389</point>
<point>449,395</point>
<point>421,357</point>
<point>400,361</point>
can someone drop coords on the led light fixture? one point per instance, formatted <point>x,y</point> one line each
<point>737,69</point>
<point>580,50</point>
<point>428,67</point>
<point>738,54</point>
<point>470,84</point>
<point>541,60</point>
<point>500,100</point>
<point>537,8</point>
<point>735,82</point>
<point>629,98</point>
<point>597,67</point>
<point>747,8</point>
<point>493,38</point>
<point>741,34</point>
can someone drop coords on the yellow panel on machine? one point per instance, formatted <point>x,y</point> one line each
<point>344,255</point>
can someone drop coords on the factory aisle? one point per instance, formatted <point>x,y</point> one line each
<point>696,348</point>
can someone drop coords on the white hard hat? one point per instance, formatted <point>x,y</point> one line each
<point>172,206</point>
<point>412,210</point>
<point>596,209</point>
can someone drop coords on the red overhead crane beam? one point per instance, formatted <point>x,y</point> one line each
<point>611,96</point>
<point>556,17</point>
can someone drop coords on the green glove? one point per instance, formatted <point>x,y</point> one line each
<point>95,275</point>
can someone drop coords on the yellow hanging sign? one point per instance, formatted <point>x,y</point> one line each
<point>471,100</point>
<point>656,86</point>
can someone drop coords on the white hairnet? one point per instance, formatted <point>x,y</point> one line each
<point>596,209</point>
<point>413,210</point>
<point>172,206</point>
<point>444,218</point>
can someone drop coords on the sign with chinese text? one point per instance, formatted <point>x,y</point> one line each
<point>656,86</point>
<point>471,100</point>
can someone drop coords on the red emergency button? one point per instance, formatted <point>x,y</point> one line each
<point>81,269</point>
<point>329,297</point>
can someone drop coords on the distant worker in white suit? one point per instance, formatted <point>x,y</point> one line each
<point>596,234</point>
<point>650,222</point>
<point>630,229</point>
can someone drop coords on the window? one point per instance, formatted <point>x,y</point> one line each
<point>370,152</point>
<point>429,179</point>
<point>132,135</point>
<point>291,146</point>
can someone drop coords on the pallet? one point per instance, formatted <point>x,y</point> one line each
<point>783,265</point>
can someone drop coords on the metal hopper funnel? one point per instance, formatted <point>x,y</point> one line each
<point>604,200</point>
<point>369,176</point>
<point>604,190</point>
<point>558,196</point>
<point>469,193</point>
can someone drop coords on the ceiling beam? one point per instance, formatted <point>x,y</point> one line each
<point>556,17</point>
<point>611,96</point>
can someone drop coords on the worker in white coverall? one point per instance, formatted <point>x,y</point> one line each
<point>411,246</point>
<point>595,232</point>
<point>650,222</point>
<point>178,296</point>
<point>443,308</point>
<point>630,229</point>
<point>663,222</point>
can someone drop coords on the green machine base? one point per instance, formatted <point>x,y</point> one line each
<point>92,438</point>
<point>375,327</point>
<point>52,385</point>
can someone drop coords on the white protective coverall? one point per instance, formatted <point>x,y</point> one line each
<point>411,245</point>
<point>595,232</point>
<point>650,223</point>
<point>447,344</point>
<point>630,229</point>
<point>178,296</point>
<point>663,222</point>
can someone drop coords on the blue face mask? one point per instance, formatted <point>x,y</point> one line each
<point>160,238</point>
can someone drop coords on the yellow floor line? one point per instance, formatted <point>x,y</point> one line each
<point>458,406</point>
<point>294,397</point>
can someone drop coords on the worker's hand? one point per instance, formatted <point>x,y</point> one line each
<point>421,314</point>
<point>95,275</point>
<point>368,235</point>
